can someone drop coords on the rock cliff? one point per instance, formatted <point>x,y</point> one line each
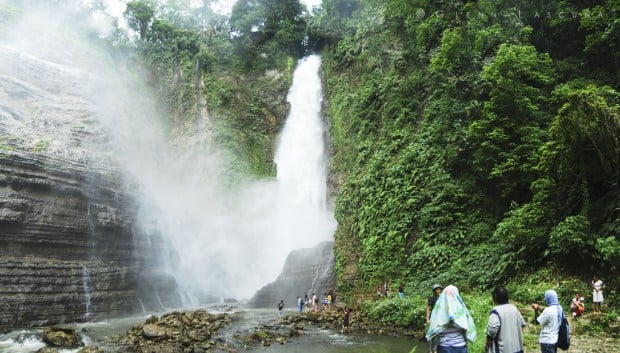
<point>69,250</point>
<point>70,246</point>
<point>305,271</point>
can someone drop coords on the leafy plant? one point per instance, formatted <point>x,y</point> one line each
<point>405,312</point>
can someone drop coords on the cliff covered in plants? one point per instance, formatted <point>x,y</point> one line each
<point>225,76</point>
<point>473,142</point>
<point>477,142</point>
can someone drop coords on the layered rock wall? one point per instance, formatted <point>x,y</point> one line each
<point>70,245</point>
<point>69,249</point>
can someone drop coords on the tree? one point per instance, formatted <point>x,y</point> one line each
<point>509,132</point>
<point>139,15</point>
<point>260,21</point>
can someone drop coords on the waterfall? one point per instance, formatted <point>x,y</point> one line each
<point>300,156</point>
<point>95,111</point>
<point>227,242</point>
<point>303,218</point>
<point>86,287</point>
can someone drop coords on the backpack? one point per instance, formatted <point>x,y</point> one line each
<point>564,334</point>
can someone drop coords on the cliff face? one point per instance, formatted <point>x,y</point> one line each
<point>68,244</point>
<point>305,271</point>
<point>70,247</point>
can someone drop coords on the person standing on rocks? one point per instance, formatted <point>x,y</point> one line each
<point>280,308</point>
<point>332,296</point>
<point>597,293</point>
<point>315,303</point>
<point>386,288</point>
<point>504,329</point>
<point>300,304</point>
<point>307,302</point>
<point>325,302</point>
<point>345,320</point>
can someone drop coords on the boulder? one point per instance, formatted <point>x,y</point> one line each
<point>63,337</point>
<point>154,331</point>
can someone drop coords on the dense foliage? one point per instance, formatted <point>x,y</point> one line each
<point>228,75</point>
<point>475,142</point>
<point>478,141</point>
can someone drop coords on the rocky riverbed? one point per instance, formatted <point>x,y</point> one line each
<point>230,330</point>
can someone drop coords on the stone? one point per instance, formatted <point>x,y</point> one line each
<point>154,331</point>
<point>63,337</point>
<point>48,350</point>
<point>90,350</point>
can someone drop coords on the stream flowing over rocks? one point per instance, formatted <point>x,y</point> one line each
<point>200,331</point>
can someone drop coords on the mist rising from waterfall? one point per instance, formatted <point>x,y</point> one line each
<point>219,241</point>
<point>232,243</point>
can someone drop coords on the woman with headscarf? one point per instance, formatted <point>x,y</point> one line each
<point>550,320</point>
<point>451,322</point>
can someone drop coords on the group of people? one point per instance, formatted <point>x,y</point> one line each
<point>450,325</point>
<point>383,291</point>
<point>577,305</point>
<point>311,303</point>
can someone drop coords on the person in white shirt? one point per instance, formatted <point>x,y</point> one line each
<point>550,320</point>
<point>597,293</point>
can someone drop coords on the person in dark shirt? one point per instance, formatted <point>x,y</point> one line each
<point>345,320</point>
<point>432,344</point>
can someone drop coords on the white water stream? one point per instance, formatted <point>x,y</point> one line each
<point>228,243</point>
<point>245,244</point>
<point>221,241</point>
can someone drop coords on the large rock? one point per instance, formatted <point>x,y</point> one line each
<point>305,271</point>
<point>65,337</point>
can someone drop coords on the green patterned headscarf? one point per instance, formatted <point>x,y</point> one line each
<point>450,310</point>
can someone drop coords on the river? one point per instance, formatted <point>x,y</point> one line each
<point>103,334</point>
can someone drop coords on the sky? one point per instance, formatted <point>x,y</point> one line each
<point>116,7</point>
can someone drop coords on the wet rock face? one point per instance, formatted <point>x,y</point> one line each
<point>68,245</point>
<point>305,271</point>
<point>70,249</point>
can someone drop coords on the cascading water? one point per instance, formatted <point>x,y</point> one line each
<point>218,240</point>
<point>300,156</point>
<point>86,287</point>
<point>230,243</point>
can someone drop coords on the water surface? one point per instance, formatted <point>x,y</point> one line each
<point>103,334</point>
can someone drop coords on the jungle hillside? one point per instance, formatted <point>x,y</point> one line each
<point>472,142</point>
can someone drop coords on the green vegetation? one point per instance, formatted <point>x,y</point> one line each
<point>232,72</point>
<point>404,312</point>
<point>477,141</point>
<point>41,146</point>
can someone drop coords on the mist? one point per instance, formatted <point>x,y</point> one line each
<point>222,242</point>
